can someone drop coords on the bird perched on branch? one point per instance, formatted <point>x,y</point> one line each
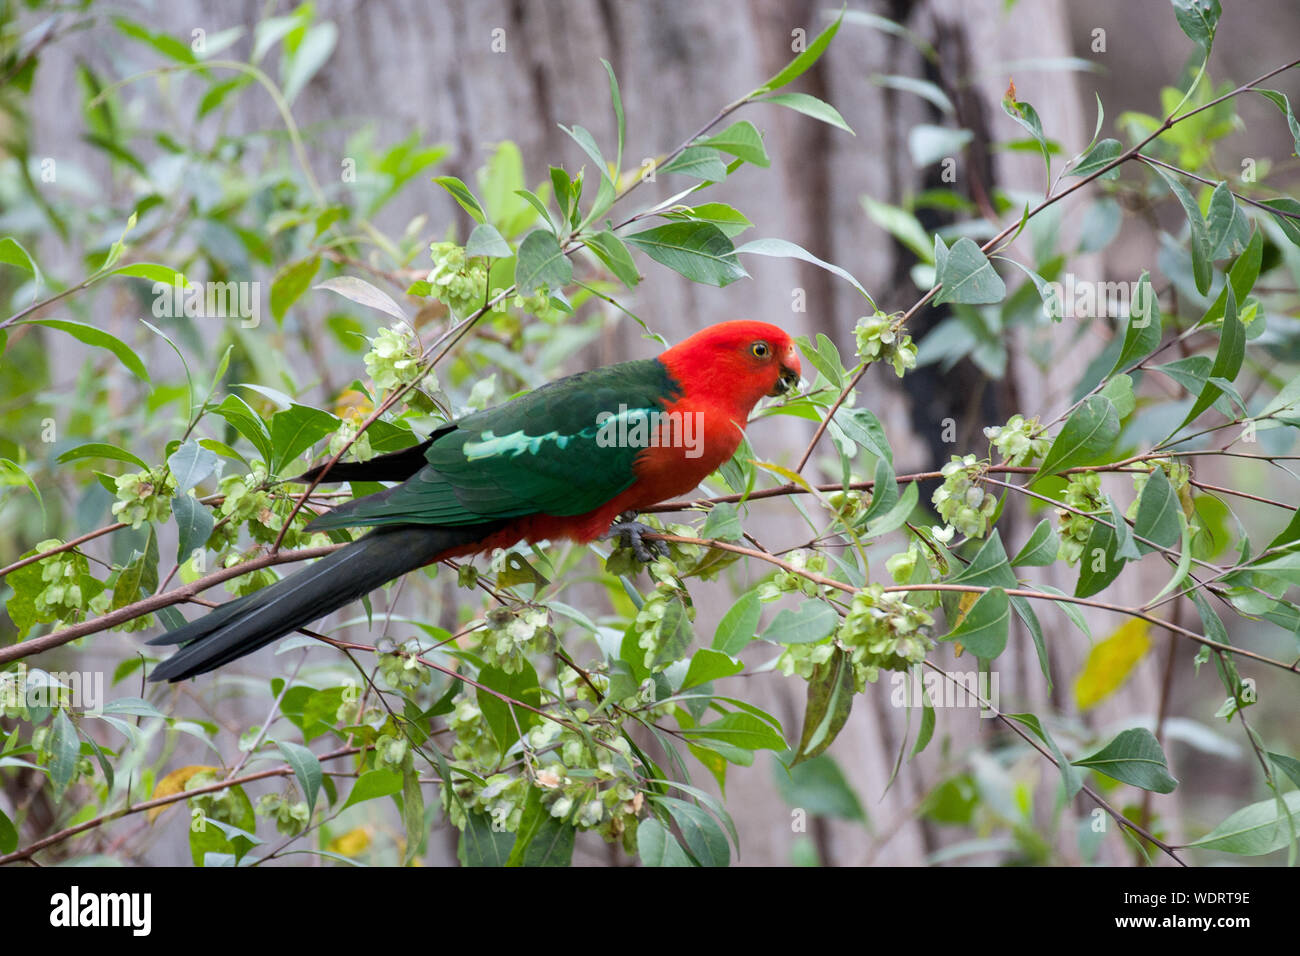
<point>562,462</point>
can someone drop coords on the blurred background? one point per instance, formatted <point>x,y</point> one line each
<point>456,79</point>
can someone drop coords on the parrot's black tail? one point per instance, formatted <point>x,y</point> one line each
<point>242,626</point>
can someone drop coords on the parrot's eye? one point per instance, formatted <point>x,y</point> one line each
<point>760,350</point>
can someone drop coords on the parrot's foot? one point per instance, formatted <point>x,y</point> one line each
<point>631,532</point>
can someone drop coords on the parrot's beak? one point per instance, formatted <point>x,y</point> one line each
<point>788,380</point>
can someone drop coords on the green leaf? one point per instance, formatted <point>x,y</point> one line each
<point>1286,213</point>
<point>884,492</point>
<point>983,631</point>
<point>373,784</point>
<point>1142,336</point>
<point>1202,266</point>
<point>1027,117</point>
<point>1255,829</point>
<point>1158,513</point>
<point>64,747</point>
<point>363,293</point>
<point>805,59</point>
<point>922,88</point>
<point>1041,549</point>
<point>152,271</point>
<point>902,225</point>
<point>698,161</point>
<point>783,249</point>
<point>461,193</point>
<point>1071,779</point>
<point>486,240</point>
<point>697,250</point>
<point>542,840</point>
<point>1133,757</point>
<point>675,632</point>
<point>739,625</point>
<point>1227,360</point>
<point>412,815</point>
<point>1227,224</point>
<point>864,428</point>
<point>139,578</point>
<point>13,253</point>
<point>290,283</point>
<point>541,262</point>
<point>9,834</point>
<point>708,664</point>
<point>742,140</point>
<point>306,768</point>
<point>1282,103</point>
<point>1101,562</point>
<point>705,839</point>
<point>1199,19</point>
<point>191,464</point>
<point>169,46</point>
<point>483,843</point>
<point>96,449</point>
<point>616,257</point>
<point>656,845</point>
<point>1089,432</point>
<point>98,338</point>
<point>296,429</point>
<point>723,523</point>
<point>813,621</point>
<point>810,106</point>
<point>1120,392</point>
<point>194,524</point>
<point>506,720</point>
<point>1100,155</point>
<point>968,277</point>
<point>1288,765</point>
<point>830,700</point>
<point>1125,547</point>
<point>616,100</point>
<point>248,423</point>
<point>727,218</point>
<point>739,730</point>
<point>897,515</point>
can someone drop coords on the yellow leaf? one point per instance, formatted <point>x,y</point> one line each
<point>968,599</point>
<point>173,784</point>
<point>964,604</point>
<point>353,405</point>
<point>1111,661</point>
<point>352,843</point>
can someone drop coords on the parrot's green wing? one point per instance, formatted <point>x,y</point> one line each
<point>542,453</point>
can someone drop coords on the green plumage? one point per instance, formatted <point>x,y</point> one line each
<point>536,454</point>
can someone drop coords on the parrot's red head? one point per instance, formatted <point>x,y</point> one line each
<point>741,360</point>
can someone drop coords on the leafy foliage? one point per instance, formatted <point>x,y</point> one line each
<point>529,719</point>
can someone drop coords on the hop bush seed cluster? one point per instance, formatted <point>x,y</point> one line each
<point>961,500</point>
<point>1015,440</point>
<point>144,496</point>
<point>881,631</point>
<point>879,341</point>
<point>457,280</point>
<point>1082,494</point>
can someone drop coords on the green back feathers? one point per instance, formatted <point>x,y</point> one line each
<point>537,454</point>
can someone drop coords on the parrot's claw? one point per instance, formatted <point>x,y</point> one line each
<point>631,534</point>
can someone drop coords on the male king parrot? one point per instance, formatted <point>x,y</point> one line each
<point>560,462</point>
